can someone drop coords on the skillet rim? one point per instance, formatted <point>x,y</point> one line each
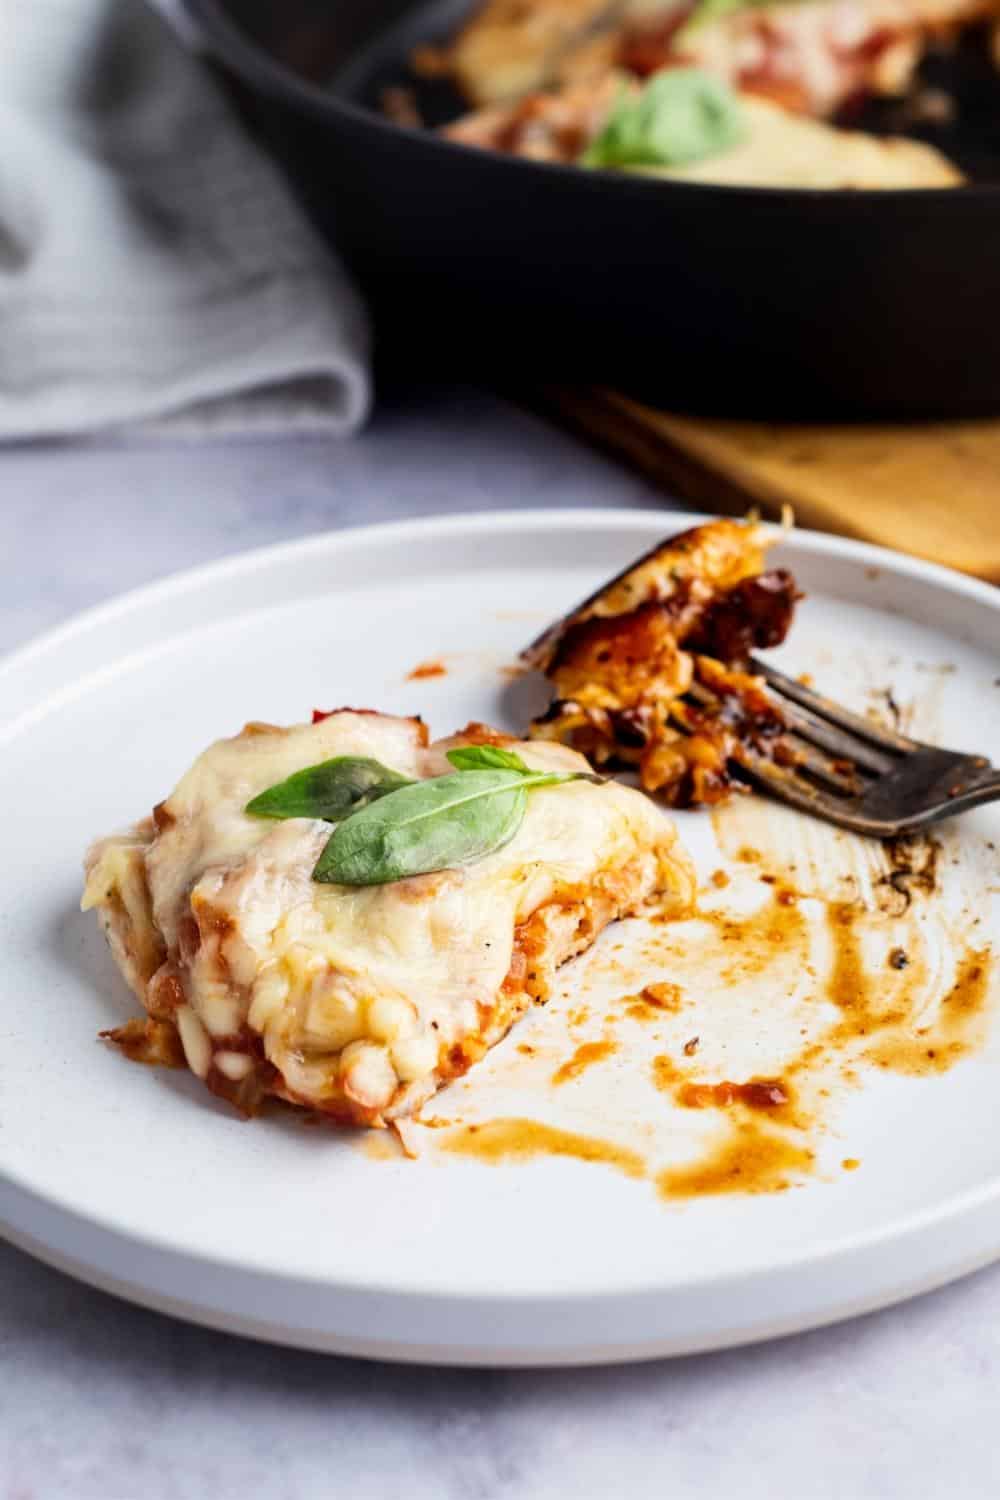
<point>231,45</point>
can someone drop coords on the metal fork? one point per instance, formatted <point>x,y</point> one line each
<point>852,772</point>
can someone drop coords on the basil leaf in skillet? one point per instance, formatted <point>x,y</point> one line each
<point>680,116</point>
<point>331,791</point>
<point>431,825</point>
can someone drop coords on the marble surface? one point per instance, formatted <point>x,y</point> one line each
<point>102,1401</point>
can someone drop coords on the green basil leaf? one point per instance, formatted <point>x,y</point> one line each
<point>485,758</point>
<point>331,791</point>
<point>492,757</point>
<point>430,825</point>
<point>682,115</point>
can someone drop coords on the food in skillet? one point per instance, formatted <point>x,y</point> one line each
<point>739,92</point>
<point>652,671</point>
<point>686,125</point>
<point>810,55</point>
<point>345,916</point>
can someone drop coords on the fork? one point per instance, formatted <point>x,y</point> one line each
<point>851,772</point>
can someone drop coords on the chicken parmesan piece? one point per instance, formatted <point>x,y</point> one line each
<point>652,672</point>
<point>359,1001</point>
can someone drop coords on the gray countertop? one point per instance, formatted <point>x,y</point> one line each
<point>102,1401</point>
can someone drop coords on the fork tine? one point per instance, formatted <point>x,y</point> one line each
<point>825,708</point>
<point>838,742</point>
<point>808,756</point>
<point>918,785</point>
<point>788,787</point>
<point>819,766</point>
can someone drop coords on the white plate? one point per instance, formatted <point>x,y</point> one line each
<point>138,1182</point>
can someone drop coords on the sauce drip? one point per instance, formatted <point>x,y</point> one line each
<point>825,862</point>
<point>666,1073</point>
<point>748,1159</point>
<point>583,1058</point>
<point>652,1001</point>
<point>849,984</point>
<point>874,997</point>
<point>758,1093</point>
<point>877,1008</point>
<point>958,1028</point>
<point>752,943</point>
<point>514,1139</point>
<point>768,1095</point>
<point>426,669</point>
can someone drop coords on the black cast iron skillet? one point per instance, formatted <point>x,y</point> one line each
<point>736,300</point>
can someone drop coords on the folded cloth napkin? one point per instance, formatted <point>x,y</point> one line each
<point>152,260</point>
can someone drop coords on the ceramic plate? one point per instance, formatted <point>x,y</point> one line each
<point>635,1210</point>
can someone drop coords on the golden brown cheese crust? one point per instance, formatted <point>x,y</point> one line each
<point>357,1002</point>
<point>626,663</point>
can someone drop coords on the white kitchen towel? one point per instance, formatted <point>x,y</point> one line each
<point>153,263</point>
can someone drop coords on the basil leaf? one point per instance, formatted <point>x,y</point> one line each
<point>430,825</point>
<point>681,116</point>
<point>485,758</point>
<point>331,791</point>
<point>490,757</point>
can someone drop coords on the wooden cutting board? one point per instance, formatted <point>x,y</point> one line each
<point>928,488</point>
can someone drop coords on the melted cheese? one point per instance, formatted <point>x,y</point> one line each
<point>783,150</point>
<point>208,828</point>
